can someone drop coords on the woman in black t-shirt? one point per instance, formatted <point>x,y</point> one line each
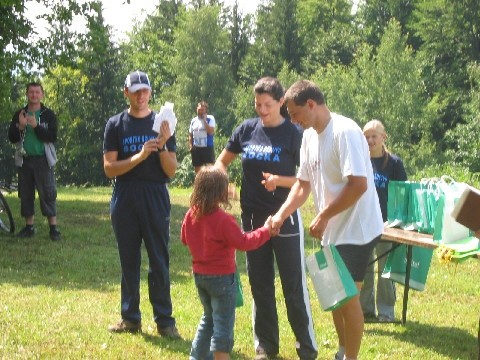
<point>269,146</point>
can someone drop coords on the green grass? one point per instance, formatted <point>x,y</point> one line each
<point>57,298</point>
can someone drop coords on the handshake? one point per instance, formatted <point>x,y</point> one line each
<point>273,224</point>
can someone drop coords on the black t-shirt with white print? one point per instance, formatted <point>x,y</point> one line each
<point>274,150</point>
<point>393,170</point>
<point>126,135</point>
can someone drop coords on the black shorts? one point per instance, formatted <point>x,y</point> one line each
<point>202,155</point>
<point>356,257</point>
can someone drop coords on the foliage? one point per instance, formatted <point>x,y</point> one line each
<point>276,41</point>
<point>374,16</point>
<point>202,69</point>
<point>463,142</point>
<point>449,35</point>
<point>409,63</point>
<point>150,48</point>
<point>385,85</point>
<point>330,24</point>
<point>240,32</point>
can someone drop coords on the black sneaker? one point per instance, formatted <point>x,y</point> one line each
<point>26,232</point>
<point>55,235</point>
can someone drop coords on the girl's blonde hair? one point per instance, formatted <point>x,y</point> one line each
<point>378,126</point>
<point>210,190</point>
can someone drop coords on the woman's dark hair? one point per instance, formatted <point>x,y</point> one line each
<point>271,86</point>
<point>210,190</point>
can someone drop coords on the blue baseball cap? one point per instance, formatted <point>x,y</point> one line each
<point>137,80</point>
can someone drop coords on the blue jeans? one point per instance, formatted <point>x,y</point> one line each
<point>215,330</point>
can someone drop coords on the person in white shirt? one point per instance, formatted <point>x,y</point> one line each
<point>200,137</point>
<point>335,165</point>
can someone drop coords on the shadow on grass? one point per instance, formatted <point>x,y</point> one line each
<point>181,347</point>
<point>438,339</point>
<point>87,255</point>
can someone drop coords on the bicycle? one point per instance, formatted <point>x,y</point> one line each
<point>6,219</point>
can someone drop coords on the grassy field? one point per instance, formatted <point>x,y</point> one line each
<point>58,298</point>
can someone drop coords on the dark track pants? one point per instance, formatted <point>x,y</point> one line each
<point>288,250</point>
<point>36,174</point>
<point>141,210</point>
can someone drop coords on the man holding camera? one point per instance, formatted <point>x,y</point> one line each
<point>33,130</point>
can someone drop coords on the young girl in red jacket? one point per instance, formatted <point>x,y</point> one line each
<point>212,236</point>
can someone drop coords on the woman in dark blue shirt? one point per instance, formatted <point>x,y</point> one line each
<point>269,146</point>
<point>386,167</point>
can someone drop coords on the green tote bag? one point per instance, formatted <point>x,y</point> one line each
<point>396,265</point>
<point>331,279</point>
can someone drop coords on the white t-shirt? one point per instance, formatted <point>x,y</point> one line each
<point>326,159</point>
<point>199,132</point>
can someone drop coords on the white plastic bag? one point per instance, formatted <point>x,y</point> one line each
<point>166,114</point>
<point>446,229</point>
<point>331,279</point>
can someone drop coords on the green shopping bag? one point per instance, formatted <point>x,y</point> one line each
<point>397,203</point>
<point>412,213</point>
<point>331,279</point>
<point>427,196</point>
<point>396,264</point>
<point>239,299</point>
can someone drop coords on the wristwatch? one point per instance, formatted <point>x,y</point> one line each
<point>163,148</point>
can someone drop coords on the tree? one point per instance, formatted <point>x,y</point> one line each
<point>326,32</point>
<point>150,47</point>
<point>15,51</point>
<point>240,33</point>
<point>385,84</point>
<point>84,96</point>
<point>463,141</point>
<point>450,41</point>
<point>373,17</point>
<point>201,64</point>
<point>275,41</point>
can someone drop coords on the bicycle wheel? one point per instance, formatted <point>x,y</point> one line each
<point>6,219</point>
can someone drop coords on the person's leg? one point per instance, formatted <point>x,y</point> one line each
<point>201,343</point>
<point>26,191</point>
<point>46,187</point>
<point>340,330</point>
<point>153,204</point>
<point>348,319</point>
<point>127,231</point>
<point>367,295</point>
<point>349,324</point>
<point>210,155</point>
<point>223,291</point>
<point>261,275</point>
<point>47,193</point>
<point>196,159</point>
<point>288,247</point>
<point>206,156</point>
<point>386,295</point>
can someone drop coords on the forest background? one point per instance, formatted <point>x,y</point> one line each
<point>413,64</point>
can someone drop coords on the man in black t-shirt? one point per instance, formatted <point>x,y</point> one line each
<point>141,163</point>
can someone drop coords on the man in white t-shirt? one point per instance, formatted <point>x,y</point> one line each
<point>335,165</point>
<point>200,137</point>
